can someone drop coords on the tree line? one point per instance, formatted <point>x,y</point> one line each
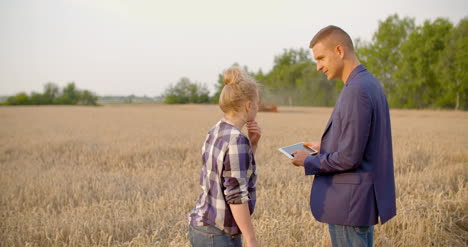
<point>52,95</point>
<point>419,67</point>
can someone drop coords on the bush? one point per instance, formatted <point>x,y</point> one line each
<point>187,92</point>
<point>70,96</point>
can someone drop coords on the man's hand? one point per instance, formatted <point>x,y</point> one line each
<point>299,157</point>
<point>254,131</point>
<point>314,145</point>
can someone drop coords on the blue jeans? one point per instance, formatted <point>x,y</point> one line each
<point>352,236</point>
<point>209,236</point>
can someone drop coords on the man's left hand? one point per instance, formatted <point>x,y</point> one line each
<point>299,157</point>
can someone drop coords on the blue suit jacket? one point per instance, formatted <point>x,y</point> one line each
<point>354,180</point>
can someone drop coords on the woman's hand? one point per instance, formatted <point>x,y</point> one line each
<point>255,132</point>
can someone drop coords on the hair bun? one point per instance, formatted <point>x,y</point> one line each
<point>233,75</point>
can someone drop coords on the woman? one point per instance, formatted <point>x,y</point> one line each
<point>229,174</point>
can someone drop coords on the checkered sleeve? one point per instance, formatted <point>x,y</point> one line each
<point>236,169</point>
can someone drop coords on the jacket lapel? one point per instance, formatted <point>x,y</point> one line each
<point>328,124</point>
<point>330,121</point>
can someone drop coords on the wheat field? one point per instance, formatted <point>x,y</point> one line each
<point>128,176</point>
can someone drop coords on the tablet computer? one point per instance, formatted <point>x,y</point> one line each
<point>287,150</point>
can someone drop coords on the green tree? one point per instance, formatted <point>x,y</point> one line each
<point>88,98</point>
<point>185,91</point>
<point>452,69</point>
<point>37,99</point>
<point>381,57</point>
<point>70,95</point>
<point>218,88</point>
<point>19,99</point>
<point>418,84</point>
<point>295,81</point>
<point>51,92</point>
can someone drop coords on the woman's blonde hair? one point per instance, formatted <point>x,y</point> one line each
<point>238,88</point>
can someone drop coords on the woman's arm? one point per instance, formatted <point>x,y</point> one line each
<point>237,164</point>
<point>242,217</point>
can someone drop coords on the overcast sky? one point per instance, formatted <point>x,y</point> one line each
<point>123,47</point>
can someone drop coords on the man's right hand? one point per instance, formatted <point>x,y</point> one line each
<point>314,145</point>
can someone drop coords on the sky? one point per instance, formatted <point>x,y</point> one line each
<point>140,47</point>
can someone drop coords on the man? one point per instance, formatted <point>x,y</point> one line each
<point>354,179</point>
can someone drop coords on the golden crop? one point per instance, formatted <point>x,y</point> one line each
<point>128,176</point>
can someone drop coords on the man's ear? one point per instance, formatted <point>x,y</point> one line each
<point>339,49</point>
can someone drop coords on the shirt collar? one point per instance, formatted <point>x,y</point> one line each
<point>353,74</point>
<point>229,123</point>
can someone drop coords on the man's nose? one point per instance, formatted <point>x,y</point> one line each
<point>319,67</point>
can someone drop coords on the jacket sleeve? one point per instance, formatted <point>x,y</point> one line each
<point>235,173</point>
<point>354,116</point>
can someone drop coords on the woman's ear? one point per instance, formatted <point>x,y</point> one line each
<point>248,105</point>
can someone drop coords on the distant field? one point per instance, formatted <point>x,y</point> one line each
<point>128,176</point>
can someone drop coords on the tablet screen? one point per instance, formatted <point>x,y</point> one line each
<point>287,150</point>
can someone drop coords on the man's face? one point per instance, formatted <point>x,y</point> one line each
<point>328,60</point>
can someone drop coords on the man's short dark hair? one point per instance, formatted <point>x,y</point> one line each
<point>336,35</point>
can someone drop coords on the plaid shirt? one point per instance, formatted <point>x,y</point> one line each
<point>228,176</point>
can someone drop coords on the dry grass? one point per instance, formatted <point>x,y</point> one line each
<point>128,175</point>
